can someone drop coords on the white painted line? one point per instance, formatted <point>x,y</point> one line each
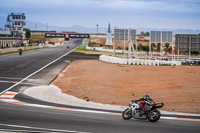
<point>170,118</point>
<point>9,100</point>
<point>11,92</point>
<point>91,111</point>
<point>9,130</point>
<point>13,82</point>
<point>37,71</point>
<point>20,79</point>
<point>38,128</point>
<point>38,105</point>
<point>9,96</point>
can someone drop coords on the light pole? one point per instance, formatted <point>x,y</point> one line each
<point>47,27</point>
<point>97,31</point>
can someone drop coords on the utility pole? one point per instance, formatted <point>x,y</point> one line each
<point>36,26</point>
<point>130,41</point>
<point>47,27</point>
<point>97,31</point>
<point>190,48</point>
<point>149,45</point>
<point>124,41</point>
<point>160,43</point>
<point>178,47</point>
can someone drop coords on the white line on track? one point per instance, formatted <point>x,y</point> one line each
<point>20,79</point>
<point>13,82</point>
<point>37,71</point>
<point>170,118</point>
<point>9,130</point>
<point>38,128</point>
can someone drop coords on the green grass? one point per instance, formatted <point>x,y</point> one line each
<point>85,50</point>
<point>83,45</point>
<point>86,98</point>
<point>39,37</point>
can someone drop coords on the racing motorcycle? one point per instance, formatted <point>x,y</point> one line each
<point>143,109</point>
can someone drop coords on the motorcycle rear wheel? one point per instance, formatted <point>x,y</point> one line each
<point>155,116</point>
<point>127,114</point>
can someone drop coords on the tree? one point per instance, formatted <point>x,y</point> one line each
<point>145,48</point>
<point>153,46</point>
<point>167,48</point>
<point>158,47</point>
<point>140,47</point>
<point>167,45</point>
<point>147,33</point>
<point>28,33</point>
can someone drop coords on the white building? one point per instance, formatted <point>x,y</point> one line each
<point>16,24</point>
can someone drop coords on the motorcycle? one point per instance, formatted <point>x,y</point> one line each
<point>143,109</point>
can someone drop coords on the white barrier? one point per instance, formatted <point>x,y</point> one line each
<point>117,60</point>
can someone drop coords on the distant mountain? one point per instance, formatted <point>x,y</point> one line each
<point>77,28</point>
<point>175,31</point>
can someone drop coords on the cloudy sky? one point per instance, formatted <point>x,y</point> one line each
<point>174,14</point>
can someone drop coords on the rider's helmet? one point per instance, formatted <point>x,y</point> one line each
<point>146,95</point>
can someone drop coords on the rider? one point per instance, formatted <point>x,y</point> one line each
<point>145,100</point>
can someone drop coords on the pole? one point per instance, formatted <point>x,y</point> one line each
<point>178,48</point>
<point>124,41</point>
<point>136,43</point>
<point>47,26</point>
<point>172,48</point>
<point>149,44</point>
<point>97,31</point>
<point>160,43</point>
<point>190,48</point>
<point>114,47</point>
<point>130,41</point>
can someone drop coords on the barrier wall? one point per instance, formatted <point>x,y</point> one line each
<point>117,60</point>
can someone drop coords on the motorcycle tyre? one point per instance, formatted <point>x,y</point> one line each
<point>123,114</point>
<point>156,118</point>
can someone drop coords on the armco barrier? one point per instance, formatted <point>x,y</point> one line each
<point>117,60</point>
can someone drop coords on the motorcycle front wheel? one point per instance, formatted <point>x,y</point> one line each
<point>154,116</point>
<point>127,114</point>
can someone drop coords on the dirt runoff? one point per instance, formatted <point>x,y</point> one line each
<point>177,86</point>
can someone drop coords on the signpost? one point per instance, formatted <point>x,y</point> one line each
<point>124,35</point>
<point>54,35</point>
<point>59,35</point>
<point>161,37</point>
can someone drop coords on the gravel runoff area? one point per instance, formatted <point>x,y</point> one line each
<point>54,94</point>
<point>177,86</point>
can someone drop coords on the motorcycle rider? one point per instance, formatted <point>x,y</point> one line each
<point>146,100</point>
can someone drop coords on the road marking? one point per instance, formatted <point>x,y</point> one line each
<point>169,118</point>
<point>114,113</point>
<point>8,97</point>
<point>14,82</point>
<point>10,130</point>
<point>187,119</point>
<point>29,80</point>
<point>37,71</point>
<point>38,128</point>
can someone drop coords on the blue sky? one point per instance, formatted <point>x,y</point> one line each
<point>173,14</point>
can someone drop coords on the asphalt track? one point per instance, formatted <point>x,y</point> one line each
<point>63,118</point>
